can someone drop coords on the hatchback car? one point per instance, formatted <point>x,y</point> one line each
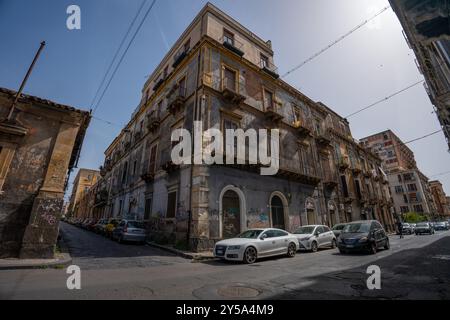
<point>129,230</point>
<point>253,244</point>
<point>406,228</point>
<point>424,227</point>
<point>365,235</point>
<point>314,237</point>
<point>439,226</point>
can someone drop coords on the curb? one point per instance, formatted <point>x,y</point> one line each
<point>186,255</point>
<point>64,260</point>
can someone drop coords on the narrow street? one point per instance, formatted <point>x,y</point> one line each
<point>416,267</point>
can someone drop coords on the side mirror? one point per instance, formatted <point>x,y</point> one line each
<point>316,233</point>
<point>264,236</point>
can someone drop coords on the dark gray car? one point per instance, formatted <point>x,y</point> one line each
<point>365,235</point>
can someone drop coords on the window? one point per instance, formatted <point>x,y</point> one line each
<point>134,167</point>
<point>326,229</point>
<point>418,208</point>
<point>229,79</point>
<point>399,178</point>
<point>404,209</point>
<point>268,99</point>
<point>297,113</point>
<point>405,198</point>
<point>166,72</point>
<point>264,61</point>
<point>171,204</point>
<point>152,163</point>
<point>398,189</point>
<point>124,173</point>
<point>148,208</point>
<point>344,186</point>
<point>358,189</point>
<point>412,187</point>
<point>187,45</point>
<point>228,37</point>
<point>182,87</point>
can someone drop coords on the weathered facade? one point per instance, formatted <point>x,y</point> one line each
<point>83,182</point>
<point>222,75</point>
<point>440,199</point>
<point>426,26</point>
<point>39,144</point>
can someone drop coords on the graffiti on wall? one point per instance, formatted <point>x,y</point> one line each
<point>48,210</point>
<point>257,218</point>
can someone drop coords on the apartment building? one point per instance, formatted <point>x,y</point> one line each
<point>440,199</point>
<point>409,186</point>
<point>224,76</point>
<point>84,180</point>
<point>427,32</point>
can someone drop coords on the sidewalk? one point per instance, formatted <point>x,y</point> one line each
<point>194,256</point>
<point>61,260</point>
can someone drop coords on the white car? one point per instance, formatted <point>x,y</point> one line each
<point>314,237</point>
<point>257,243</point>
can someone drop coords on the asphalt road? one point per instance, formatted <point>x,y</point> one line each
<point>416,267</point>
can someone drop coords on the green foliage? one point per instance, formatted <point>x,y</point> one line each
<point>414,217</point>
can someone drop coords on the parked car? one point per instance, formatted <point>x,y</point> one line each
<point>424,227</point>
<point>110,226</point>
<point>314,237</point>
<point>447,224</point>
<point>406,228</point>
<point>91,225</point>
<point>413,226</point>
<point>129,230</point>
<point>337,229</point>
<point>100,226</point>
<point>253,244</point>
<point>85,223</point>
<point>365,235</point>
<point>438,226</point>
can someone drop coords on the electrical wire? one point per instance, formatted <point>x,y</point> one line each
<point>335,42</point>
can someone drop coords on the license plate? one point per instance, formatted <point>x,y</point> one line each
<point>220,252</point>
<point>350,246</point>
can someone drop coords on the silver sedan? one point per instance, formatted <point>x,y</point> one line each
<point>257,243</point>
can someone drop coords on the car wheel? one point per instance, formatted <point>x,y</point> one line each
<point>333,244</point>
<point>373,248</point>
<point>250,255</point>
<point>292,249</point>
<point>314,246</point>
<point>387,246</point>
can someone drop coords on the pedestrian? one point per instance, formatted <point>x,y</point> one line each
<point>400,228</point>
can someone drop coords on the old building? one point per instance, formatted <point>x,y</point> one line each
<point>39,144</point>
<point>409,186</point>
<point>427,31</point>
<point>440,199</point>
<point>223,76</point>
<point>84,180</point>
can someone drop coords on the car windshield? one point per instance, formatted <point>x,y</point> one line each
<point>357,228</point>
<point>304,230</point>
<point>339,227</point>
<point>440,224</point>
<point>250,234</point>
<point>135,224</point>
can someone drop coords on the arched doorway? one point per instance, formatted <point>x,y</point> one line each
<point>232,212</point>
<point>277,213</point>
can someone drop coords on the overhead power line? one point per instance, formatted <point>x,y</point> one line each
<point>117,52</point>
<point>335,42</point>
<point>384,99</point>
<point>440,174</point>
<point>107,122</point>
<point>123,55</point>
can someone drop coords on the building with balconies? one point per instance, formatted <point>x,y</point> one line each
<point>427,31</point>
<point>223,76</point>
<point>84,180</point>
<point>440,199</point>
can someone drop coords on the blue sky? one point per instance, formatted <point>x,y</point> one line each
<point>367,66</point>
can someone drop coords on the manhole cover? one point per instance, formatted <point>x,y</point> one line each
<point>238,292</point>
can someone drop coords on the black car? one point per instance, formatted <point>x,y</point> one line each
<point>365,235</point>
<point>424,227</point>
<point>440,226</point>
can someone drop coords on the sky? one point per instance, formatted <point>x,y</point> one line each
<point>369,65</point>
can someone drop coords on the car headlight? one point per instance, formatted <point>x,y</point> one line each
<point>363,239</point>
<point>234,247</point>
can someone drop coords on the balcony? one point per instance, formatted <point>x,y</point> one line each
<point>329,180</point>
<point>231,91</point>
<point>232,45</point>
<point>271,113</point>
<point>103,171</point>
<point>148,177</point>
<point>343,163</point>
<point>176,99</point>
<point>158,84</point>
<point>269,68</point>
<point>153,122</point>
<point>179,58</point>
<point>305,175</point>
<point>170,167</point>
<point>303,129</point>
<point>323,139</point>
<point>356,169</point>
